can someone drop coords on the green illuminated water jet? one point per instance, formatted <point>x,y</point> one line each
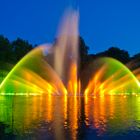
<point>111,77</point>
<point>53,69</point>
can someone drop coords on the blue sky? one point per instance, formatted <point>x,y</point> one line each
<point>103,23</point>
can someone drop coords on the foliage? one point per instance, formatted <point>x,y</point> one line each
<point>116,53</point>
<point>12,52</point>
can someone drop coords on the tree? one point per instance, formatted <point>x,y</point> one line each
<point>135,61</point>
<point>21,48</point>
<point>116,53</point>
<point>136,56</point>
<point>83,52</point>
<point>83,49</point>
<point>6,50</point>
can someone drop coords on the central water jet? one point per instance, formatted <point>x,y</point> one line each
<point>53,70</point>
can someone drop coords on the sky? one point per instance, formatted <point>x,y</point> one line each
<point>103,23</point>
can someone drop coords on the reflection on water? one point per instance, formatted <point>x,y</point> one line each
<point>69,118</point>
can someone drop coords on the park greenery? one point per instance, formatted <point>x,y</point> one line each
<point>12,51</point>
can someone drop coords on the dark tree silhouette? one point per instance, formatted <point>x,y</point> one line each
<point>83,49</point>
<point>136,56</point>
<point>6,52</point>
<point>21,48</point>
<point>135,62</point>
<point>116,53</point>
<point>83,52</point>
<point>12,52</point>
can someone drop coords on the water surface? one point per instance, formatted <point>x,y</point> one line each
<point>69,118</point>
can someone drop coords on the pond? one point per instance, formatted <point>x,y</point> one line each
<point>69,118</point>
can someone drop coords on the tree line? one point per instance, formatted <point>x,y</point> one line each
<point>114,52</point>
<point>12,51</point>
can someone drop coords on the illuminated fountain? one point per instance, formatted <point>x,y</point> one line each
<point>111,77</point>
<point>53,69</point>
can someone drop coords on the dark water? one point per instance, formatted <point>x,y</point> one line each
<point>69,118</point>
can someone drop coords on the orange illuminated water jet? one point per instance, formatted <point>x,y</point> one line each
<point>54,70</point>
